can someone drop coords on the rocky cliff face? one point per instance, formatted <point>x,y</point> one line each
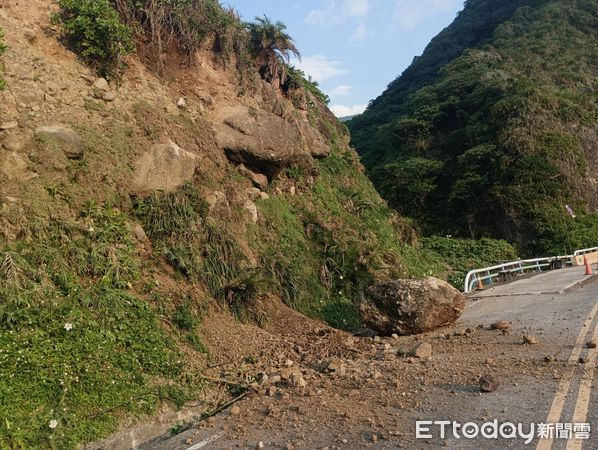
<point>134,212</point>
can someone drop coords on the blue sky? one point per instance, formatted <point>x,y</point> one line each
<point>354,48</point>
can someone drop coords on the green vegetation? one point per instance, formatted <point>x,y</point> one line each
<point>79,350</point>
<point>491,138</point>
<point>2,50</point>
<point>320,249</point>
<point>463,255</point>
<point>94,30</point>
<point>272,47</point>
<point>296,78</point>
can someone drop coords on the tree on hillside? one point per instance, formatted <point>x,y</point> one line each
<point>272,47</point>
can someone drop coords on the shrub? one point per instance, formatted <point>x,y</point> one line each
<point>2,50</point>
<point>94,30</point>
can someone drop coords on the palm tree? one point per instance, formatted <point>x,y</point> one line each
<point>272,47</point>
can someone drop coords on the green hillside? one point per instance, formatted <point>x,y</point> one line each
<point>493,129</point>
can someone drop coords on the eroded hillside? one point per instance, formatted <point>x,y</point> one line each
<point>151,222</point>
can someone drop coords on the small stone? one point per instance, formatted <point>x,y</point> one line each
<point>592,344</point>
<point>489,361</point>
<point>549,359</point>
<point>337,367</point>
<point>374,438</point>
<point>582,360</point>
<point>181,103</point>
<point>395,336</point>
<point>501,325</point>
<point>30,35</point>
<point>189,441</point>
<point>556,375</point>
<point>272,391</point>
<point>288,363</point>
<point>423,350</point>
<point>260,445</point>
<point>11,124</point>
<point>101,84</point>
<point>108,96</point>
<point>530,339</point>
<point>235,411</point>
<point>488,383</point>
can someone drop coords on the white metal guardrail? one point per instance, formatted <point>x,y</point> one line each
<point>488,275</point>
<point>504,271</point>
<point>585,250</point>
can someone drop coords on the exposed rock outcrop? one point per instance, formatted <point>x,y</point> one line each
<point>165,166</point>
<point>411,306</point>
<point>266,143</point>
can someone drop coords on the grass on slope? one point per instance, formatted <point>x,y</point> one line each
<point>78,350</point>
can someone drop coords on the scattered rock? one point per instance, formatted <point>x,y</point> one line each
<point>101,84</point>
<point>30,35</point>
<point>16,167</point>
<point>16,141</point>
<point>411,306</point>
<point>72,144</point>
<point>235,411</point>
<point>592,344</point>
<point>139,233</point>
<point>251,211</point>
<point>423,350</point>
<point>501,325</point>
<point>337,367</point>
<point>488,383</point>
<point>11,124</point>
<point>530,339</point>
<point>297,379</point>
<point>108,96</point>
<point>260,181</point>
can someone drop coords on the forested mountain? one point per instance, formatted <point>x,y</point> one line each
<point>492,131</point>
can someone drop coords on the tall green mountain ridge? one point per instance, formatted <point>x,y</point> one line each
<point>493,130</point>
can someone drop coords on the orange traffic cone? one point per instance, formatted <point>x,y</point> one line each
<point>588,266</point>
<point>480,284</point>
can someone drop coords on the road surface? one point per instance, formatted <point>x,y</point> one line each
<point>378,403</point>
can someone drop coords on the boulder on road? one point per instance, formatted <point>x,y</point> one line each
<point>410,306</point>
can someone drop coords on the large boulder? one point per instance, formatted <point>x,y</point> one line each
<point>165,167</point>
<point>266,143</point>
<point>410,306</point>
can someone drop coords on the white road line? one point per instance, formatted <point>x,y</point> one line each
<point>585,391</point>
<point>207,441</point>
<point>563,388</point>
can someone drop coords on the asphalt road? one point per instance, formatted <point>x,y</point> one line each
<point>560,308</point>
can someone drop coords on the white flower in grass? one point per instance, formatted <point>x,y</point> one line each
<point>68,326</point>
<point>53,423</point>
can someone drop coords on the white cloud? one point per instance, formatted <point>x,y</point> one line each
<point>356,8</point>
<point>342,90</point>
<point>334,12</point>
<point>360,34</point>
<point>321,68</point>
<point>344,111</point>
<point>410,13</point>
